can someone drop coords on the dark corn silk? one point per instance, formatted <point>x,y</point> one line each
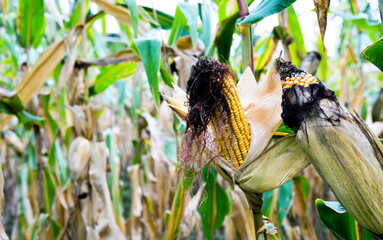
<point>213,100</point>
<point>340,146</point>
<point>301,97</point>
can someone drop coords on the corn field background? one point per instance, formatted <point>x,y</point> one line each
<point>89,149</point>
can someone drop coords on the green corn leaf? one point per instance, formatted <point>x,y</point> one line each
<point>215,206</point>
<point>134,16</point>
<point>12,105</point>
<point>165,20</point>
<point>56,157</point>
<point>149,49</point>
<point>30,22</point>
<point>373,54</point>
<point>166,75</point>
<point>340,223</point>
<point>114,178</point>
<point>267,203</point>
<point>109,75</point>
<point>265,9</point>
<point>38,225</point>
<point>285,200</point>
<point>75,16</point>
<point>206,30</point>
<point>54,127</point>
<point>174,219</point>
<point>323,68</point>
<point>179,24</point>
<point>191,11</point>
<point>224,37</point>
<point>99,46</point>
<point>49,188</point>
<point>294,29</point>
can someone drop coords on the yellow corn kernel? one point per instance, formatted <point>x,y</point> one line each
<point>234,143</point>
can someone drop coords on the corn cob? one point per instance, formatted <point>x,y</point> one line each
<point>236,126</point>
<point>340,146</point>
<point>213,96</point>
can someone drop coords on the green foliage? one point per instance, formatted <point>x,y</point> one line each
<point>265,9</point>
<point>149,49</point>
<point>340,223</point>
<point>178,25</point>
<point>373,54</point>
<point>109,75</point>
<point>30,22</point>
<point>215,206</point>
<point>12,105</point>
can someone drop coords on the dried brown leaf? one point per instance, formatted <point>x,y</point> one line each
<point>107,227</point>
<point>242,215</point>
<point>122,56</point>
<point>357,99</point>
<point>67,68</point>
<point>35,78</point>
<point>184,62</point>
<point>78,157</point>
<point>135,227</point>
<point>3,235</point>
<point>190,215</point>
<point>13,141</point>
<point>321,8</point>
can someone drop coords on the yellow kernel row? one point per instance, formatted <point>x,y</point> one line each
<point>301,79</point>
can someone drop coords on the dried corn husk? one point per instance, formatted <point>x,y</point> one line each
<point>78,157</point>
<point>340,146</point>
<point>350,161</point>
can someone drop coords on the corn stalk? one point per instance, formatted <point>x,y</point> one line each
<point>248,61</point>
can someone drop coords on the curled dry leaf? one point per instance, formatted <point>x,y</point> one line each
<point>321,8</point>
<point>3,235</point>
<point>78,157</point>
<point>75,87</point>
<point>83,125</point>
<point>35,78</point>
<point>67,68</point>
<point>13,141</point>
<point>190,215</point>
<point>357,99</point>
<point>241,215</point>
<point>107,225</point>
<point>121,13</point>
<point>134,223</point>
<point>122,56</point>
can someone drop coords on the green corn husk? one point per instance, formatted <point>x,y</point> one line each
<point>340,146</point>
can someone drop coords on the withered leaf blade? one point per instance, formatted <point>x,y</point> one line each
<point>126,55</point>
<point>321,8</point>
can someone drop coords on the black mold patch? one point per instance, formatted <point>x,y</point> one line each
<point>205,90</point>
<point>300,103</point>
<point>286,69</point>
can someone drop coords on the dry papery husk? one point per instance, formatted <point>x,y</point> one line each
<point>274,167</point>
<point>262,169</point>
<point>349,158</point>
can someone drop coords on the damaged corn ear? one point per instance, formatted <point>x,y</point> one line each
<point>340,146</point>
<point>237,125</point>
<point>214,101</point>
